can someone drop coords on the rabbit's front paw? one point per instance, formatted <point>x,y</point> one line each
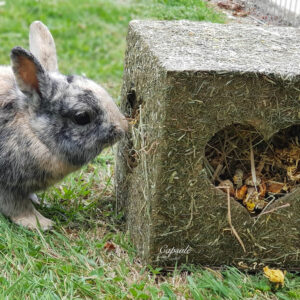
<point>34,198</point>
<point>31,220</point>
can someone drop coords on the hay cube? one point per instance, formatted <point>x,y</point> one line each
<point>185,82</point>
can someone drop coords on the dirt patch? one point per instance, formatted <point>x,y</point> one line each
<point>247,12</point>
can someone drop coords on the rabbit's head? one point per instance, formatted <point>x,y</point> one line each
<point>72,115</point>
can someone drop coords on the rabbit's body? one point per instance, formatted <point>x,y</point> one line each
<point>50,125</point>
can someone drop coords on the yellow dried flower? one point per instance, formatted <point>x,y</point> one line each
<point>275,276</point>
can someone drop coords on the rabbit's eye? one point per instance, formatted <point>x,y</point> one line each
<point>82,118</point>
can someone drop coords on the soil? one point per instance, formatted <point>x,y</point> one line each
<point>247,12</point>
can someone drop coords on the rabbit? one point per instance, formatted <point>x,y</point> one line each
<point>50,125</point>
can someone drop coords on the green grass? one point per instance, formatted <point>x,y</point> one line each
<point>90,34</point>
<point>72,262</point>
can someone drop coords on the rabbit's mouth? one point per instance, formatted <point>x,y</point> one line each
<point>114,135</point>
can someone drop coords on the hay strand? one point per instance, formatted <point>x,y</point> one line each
<point>234,232</point>
<point>276,208</point>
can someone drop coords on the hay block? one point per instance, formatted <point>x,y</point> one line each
<point>187,84</point>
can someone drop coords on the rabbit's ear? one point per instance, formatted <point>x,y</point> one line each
<point>30,76</point>
<point>42,46</point>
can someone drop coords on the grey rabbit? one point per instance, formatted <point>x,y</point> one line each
<point>50,126</point>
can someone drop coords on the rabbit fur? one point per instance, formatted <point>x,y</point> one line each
<point>50,126</point>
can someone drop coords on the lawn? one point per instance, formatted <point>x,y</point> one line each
<point>88,255</point>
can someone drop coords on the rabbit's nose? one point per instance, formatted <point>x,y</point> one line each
<point>124,124</point>
<point>121,127</point>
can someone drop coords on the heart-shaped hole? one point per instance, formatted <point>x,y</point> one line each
<point>254,171</point>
